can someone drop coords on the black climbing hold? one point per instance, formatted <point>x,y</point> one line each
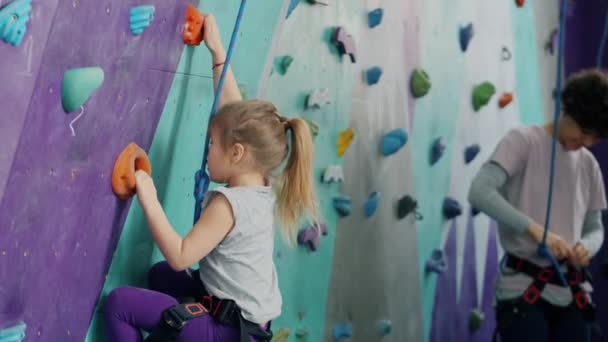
<point>451,208</point>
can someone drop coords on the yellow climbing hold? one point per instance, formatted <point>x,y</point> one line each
<point>344,139</point>
<point>281,336</point>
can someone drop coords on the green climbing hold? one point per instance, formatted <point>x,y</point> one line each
<point>282,63</point>
<point>281,336</point>
<point>78,85</point>
<point>482,95</point>
<point>301,335</point>
<point>420,83</point>
<point>314,127</point>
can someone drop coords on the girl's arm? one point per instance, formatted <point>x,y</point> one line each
<point>211,228</point>
<point>230,91</point>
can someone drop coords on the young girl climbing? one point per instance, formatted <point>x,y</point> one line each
<point>234,238</point>
<point>512,187</point>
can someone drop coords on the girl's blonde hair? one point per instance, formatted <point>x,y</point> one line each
<point>258,125</point>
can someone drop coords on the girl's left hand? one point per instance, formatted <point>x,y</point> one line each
<point>144,186</point>
<point>580,256</point>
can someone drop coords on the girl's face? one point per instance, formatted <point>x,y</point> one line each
<point>218,159</point>
<point>572,136</point>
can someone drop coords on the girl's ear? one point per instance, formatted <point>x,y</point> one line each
<point>237,152</point>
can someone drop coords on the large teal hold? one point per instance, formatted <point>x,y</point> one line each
<point>14,333</point>
<point>13,21</point>
<point>141,17</point>
<point>393,141</point>
<point>78,85</point>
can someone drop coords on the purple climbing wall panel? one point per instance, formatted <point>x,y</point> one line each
<point>19,68</point>
<point>584,30</point>
<point>59,220</point>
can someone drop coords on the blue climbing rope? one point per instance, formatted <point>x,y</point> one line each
<point>600,51</point>
<point>543,249</point>
<point>201,178</point>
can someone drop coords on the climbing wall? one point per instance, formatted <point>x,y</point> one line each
<point>58,217</point>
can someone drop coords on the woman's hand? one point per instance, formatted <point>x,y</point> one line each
<point>211,34</point>
<point>558,247</point>
<point>144,185</point>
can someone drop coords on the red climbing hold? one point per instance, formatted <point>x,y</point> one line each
<point>520,3</point>
<point>505,99</point>
<point>193,26</point>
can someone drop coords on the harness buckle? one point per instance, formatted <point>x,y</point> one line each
<point>581,299</point>
<point>546,274</point>
<point>532,294</point>
<point>575,278</point>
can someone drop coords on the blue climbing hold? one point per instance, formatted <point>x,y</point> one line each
<point>141,17</point>
<point>393,141</point>
<point>451,208</point>
<point>437,262</point>
<point>371,204</point>
<point>13,21</point>
<point>471,152</point>
<point>13,333</point>
<point>384,327</point>
<point>292,6</point>
<point>372,75</point>
<point>375,17</point>
<point>466,34</point>
<point>342,204</point>
<point>437,150</point>
<point>342,330</point>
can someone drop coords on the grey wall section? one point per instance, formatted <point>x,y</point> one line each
<point>375,265</point>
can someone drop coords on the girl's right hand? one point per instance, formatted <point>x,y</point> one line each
<point>558,247</point>
<point>211,34</point>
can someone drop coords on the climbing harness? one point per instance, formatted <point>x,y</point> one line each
<point>201,178</point>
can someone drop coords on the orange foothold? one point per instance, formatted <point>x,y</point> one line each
<point>193,26</point>
<point>131,159</point>
<point>520,3</point>
<point>505,99</point>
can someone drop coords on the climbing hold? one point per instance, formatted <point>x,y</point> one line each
<point>552,41</point>
<point>342,330</point>
<point>13,21</point>
<point>317,2</point>
<point>131,159</point>
<point>466,34</point>
<point>345,138</point>
<point>282,335</point>
<point>313,126</point>
<point>505,99</point>
<point>451,208</point>
<point>505,54</point>
<point>371,204</point>
<point>384,327</point>
<point>292,6</point>
<point>311,236</point>
<point>374,17</point>
<point>141,17</point>
<point>318,99</point>
<point>372,75</point>
<point>344,42</point>
<point>482,95</point>
<point>342,204</point>
<point>78,85</point>
<point>437,262</point>
<point>471,152</point>
<point>15,333</point>
<point>520,3</point>
<point>420,83</point>
<point>476,318</point>
<point>407,205</point>
<point>333,174</point>
<point>474,211</point>
<point>301,335</point>
<point>393,141</point>
<point>437,150</point>
<point>193,26</point>
<point>282,63</point>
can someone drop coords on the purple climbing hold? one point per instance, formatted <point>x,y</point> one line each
<point>466,34</point>
<point>471,152</point>
<point>345,43</point>
<point>437,262</point>
<point>375,17</point>
<point>311,236</point>
<point>451,208</point>
<point>437,150</point>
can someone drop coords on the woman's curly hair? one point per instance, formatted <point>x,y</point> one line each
<point>585,100</point>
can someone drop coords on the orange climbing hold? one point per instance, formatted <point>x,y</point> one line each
<point>193,26</point>
<point>131,159</point>
<point>505,99</point>
<point>520,3</point>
